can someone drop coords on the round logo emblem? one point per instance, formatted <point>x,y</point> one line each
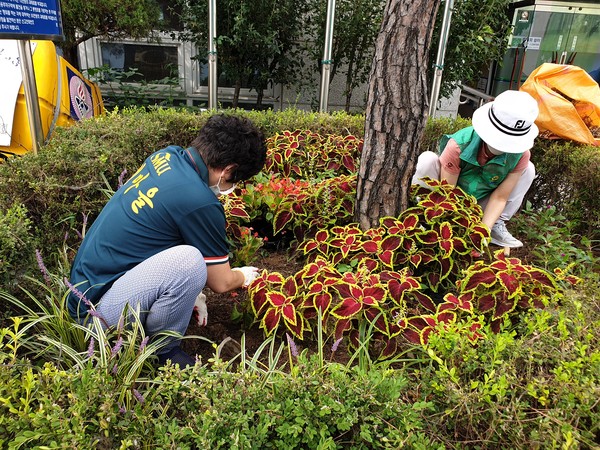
<point>81,99</point>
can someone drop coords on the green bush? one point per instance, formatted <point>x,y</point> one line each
<point>328,408</point>
<point>532,385</point>
<point>569,180</point>
<point>17,244</point>
<point>536,386</point>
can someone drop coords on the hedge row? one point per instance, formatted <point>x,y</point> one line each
<point>536,387</point>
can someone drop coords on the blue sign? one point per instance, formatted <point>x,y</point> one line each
<point>30,19</point>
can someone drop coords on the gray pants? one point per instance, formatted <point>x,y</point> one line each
<point>164,287</point>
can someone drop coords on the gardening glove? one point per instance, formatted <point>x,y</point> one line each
<point>200,312</point>
<point>250,274</point>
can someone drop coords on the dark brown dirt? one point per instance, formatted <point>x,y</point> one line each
<point>221,329</point>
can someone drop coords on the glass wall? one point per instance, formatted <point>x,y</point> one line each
<point>555,32</point>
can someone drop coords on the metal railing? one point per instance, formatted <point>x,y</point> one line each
<point>469,94</point>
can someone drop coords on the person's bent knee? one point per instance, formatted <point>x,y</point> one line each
<point>427,158</point>
<point>190,255</point>
<point>191,261</point>
<point>428,165</point>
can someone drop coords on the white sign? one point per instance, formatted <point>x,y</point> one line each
<point>533,43</point>
<point>10,83</point>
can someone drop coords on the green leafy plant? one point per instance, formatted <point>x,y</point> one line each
<point>126,88</point>
<point>552,237</point>
<point>16,244</point>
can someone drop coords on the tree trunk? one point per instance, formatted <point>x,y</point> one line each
<point>236,93</point>
<point>396,109</point>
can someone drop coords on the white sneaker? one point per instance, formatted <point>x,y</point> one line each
<point>502,237</point>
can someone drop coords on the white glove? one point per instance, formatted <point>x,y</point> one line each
<point>250,274</point>
<point>200,311</point>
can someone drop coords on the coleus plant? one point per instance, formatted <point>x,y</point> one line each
<point>390,302</point>
<point>505,287</point>
<point>303,153</point>
<point>294,206</point>
<point>298,207</point>
<point>435,239</point>
<point>385,277</point>
<point>394,304</point>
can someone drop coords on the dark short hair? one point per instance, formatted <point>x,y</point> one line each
<point>226,140</point>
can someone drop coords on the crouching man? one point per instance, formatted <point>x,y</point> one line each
<point>161,237</point>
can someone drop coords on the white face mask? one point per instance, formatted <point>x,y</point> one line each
<point>217,190</point>
<point>494,151</point>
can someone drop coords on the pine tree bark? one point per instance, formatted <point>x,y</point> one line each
<point>397,109</point>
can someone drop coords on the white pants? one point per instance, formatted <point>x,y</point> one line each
<point>428,165</point>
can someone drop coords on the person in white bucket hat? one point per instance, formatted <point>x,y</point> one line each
<point>490,160</point>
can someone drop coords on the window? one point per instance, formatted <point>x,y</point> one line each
<point>153,62</point>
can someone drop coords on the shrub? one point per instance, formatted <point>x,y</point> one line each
<point>532,387</point>
<point>17,245</point>
<point>568,180</point>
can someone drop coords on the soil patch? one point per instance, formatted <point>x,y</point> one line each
<point>222,330</point>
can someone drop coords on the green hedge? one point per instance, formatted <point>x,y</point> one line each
<point>568,178</point>
<point>535,387</point>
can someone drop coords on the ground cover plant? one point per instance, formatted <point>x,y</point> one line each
<point>414,334</point>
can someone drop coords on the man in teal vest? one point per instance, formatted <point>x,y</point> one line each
<point>490,160</point>
<point>161,238</point>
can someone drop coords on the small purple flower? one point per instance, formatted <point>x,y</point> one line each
<point>94,313</point>
<point>90,351</point>
<point>122,409</point>
<point>117,347</point>
<point>42,266</point>
<point>122,178</point>
<point>144,343</point>
<point>336,344</point>
<point>292,345</point>
<point>138,396</point>
<point>114,369</point>
<point>77,292</point>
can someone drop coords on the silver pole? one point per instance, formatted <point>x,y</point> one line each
<point>212,54</point>
<point>439,62</point>
<point>31,95</point>
<point>326,69</point>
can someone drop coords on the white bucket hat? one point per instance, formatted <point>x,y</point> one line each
<point>507,123</point>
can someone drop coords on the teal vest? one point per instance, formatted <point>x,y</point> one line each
<point>474,179</point>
